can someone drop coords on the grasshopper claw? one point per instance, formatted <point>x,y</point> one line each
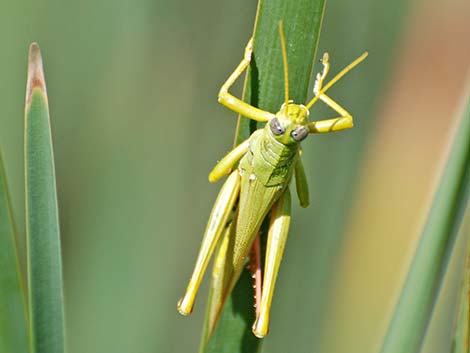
<point>249,50</point>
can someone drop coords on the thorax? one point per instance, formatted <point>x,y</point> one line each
<point>268,160</point>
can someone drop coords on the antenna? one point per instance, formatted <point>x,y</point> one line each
<point>286,67</point>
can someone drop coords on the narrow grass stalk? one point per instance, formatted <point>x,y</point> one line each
<point>445,219</point>
<point>13,332</point>
<point>462,324</point>
<point>42,222</point>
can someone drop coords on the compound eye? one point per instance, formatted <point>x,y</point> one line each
<point>300,133</point>
<point>276,127</point>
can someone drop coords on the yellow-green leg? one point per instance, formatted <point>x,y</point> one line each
<point>218,282</point>
<point>235,104</point>
<point>226,164</point>
<point>277,236</point>
<point>345,120</point>
<point>301,184</point>
<point>216,224</point>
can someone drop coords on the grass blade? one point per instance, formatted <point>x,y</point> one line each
<point>13,333</point>
<point>264,85</point>
<point>264,88</point>
<point>42,222</point>
<point>462,328</point>
<point>445,219</point>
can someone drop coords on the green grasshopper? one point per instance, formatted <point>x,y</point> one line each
<point>258,187</point>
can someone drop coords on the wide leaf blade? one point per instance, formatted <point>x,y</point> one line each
<point>264,88</point>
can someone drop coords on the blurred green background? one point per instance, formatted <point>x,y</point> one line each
<point>136,126</point>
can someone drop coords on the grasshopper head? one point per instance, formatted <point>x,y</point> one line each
<point>289,125</point>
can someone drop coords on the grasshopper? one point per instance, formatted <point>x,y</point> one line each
<point>259,186</point>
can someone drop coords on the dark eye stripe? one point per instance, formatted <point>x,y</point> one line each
<point>276,127</point>
<point>300,133</point>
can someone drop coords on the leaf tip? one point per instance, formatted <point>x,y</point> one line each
<point>35,71</point>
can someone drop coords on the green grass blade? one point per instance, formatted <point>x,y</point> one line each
<point>233,330</point>
<point>264,88</point>
<point>412,314</point>
<point>42,222</point>
<point>462,327</point>
<point>13,333</point>
<point>264,85</point>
